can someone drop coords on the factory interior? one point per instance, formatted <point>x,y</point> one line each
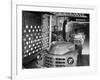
<point>55,39</point>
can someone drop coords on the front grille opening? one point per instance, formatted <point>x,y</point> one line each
<point>60,62</point>
<point>60,58</point>
<point>48,57</point>
<point>47,64</point>
<point>60,65</point>
<point>48,61</point>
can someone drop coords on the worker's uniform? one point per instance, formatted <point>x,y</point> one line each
<point>79,41</point>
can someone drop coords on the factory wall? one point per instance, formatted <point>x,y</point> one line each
<point>35,34</point>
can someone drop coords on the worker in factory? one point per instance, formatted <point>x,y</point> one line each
<point>79,38</point>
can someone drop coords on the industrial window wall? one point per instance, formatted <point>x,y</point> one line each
<point>54,39</point>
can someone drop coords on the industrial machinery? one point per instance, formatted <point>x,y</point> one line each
<point>61,54</point>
